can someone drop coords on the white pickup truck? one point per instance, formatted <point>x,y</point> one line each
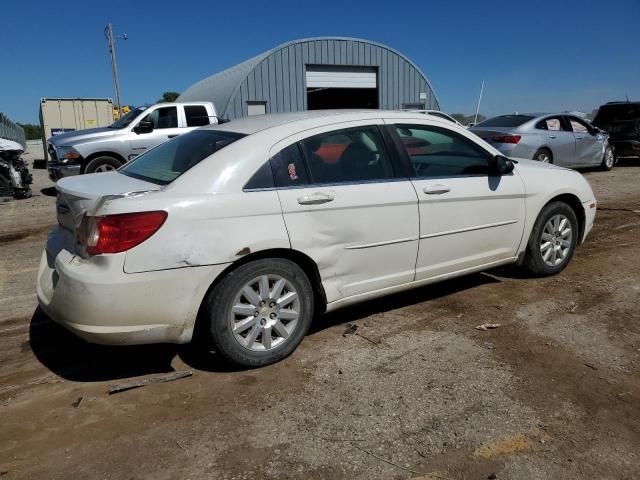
<point>103,149</point>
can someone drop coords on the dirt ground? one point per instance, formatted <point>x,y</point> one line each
<point>417,392</point>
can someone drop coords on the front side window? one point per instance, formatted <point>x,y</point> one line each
<point>166,117</point>
<point>437,152</point>
<point>577,126</point>
<point>166,162</point>
<point>349,155</point>
<point>196,115</point>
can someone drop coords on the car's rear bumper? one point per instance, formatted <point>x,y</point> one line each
<point>100,303</point>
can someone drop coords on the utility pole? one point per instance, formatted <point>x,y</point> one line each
<point>475,120</point>
<point>108,32</point>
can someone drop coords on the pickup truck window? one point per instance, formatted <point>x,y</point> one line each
<point>197,115</point>
<point>166,117</point>
<point>166,162</point>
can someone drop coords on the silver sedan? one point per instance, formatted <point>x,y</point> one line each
<point>559,138</point>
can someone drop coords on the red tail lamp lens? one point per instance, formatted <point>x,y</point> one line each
<point>506,139</point>
<point>119,233</point>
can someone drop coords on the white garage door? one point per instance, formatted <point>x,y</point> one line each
<point>341,77</point>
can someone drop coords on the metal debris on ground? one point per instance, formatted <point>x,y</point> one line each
<point>148,381</point>
<point>349,329</point>
<point>77,403</point>
<point>489,345</point>
<point>487,326</point>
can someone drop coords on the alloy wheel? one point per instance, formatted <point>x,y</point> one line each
<point>609,158</point>
<point>265,313</point>
<point>105,167</point>
<point>555,243</point>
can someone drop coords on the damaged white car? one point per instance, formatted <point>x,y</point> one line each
<point>238,234</point>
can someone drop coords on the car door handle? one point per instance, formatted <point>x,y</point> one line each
<point>579,138</point>
<point>172,136</point>
<point>315,198</point>
<point>552,137</point>
<point>436,189</point>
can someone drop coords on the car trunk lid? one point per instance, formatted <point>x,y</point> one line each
<point>85,193</point>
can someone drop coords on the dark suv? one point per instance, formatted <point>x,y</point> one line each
<point>622,121</point>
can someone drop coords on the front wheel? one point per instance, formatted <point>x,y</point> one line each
<point>102,164</point>
<point>553,240</point>
<point>608,159</point>
<point>259,313</point>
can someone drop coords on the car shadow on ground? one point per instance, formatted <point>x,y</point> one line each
<point>74,359</point>
<point>401,300</point>
<point>49,191</point>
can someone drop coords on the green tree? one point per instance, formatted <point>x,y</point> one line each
<point>31,132</point>
<point>169,97</point>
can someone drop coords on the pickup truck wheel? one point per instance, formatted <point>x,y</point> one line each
<point>552,241</point>
<point>259,313</point>
<point>102,164</point>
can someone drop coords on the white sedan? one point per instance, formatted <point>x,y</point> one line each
<point>239,234</point>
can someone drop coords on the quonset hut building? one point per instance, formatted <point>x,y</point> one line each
<point>317,73</point>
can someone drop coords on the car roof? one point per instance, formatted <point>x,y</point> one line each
<point>257,123</point>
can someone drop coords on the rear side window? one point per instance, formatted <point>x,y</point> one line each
<point>349,155</point>
<point>437,152</point>
<point>552,124</point>
<point>166,162</point>
<point>197,115</point>
<point>505,121</point>
<point>288,167</point>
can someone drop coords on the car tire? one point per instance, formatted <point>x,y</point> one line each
<point>608,159</point>
<point>242,308</point>
<point>550,245</point>
<point>102,164</point>
<point>544,155</point>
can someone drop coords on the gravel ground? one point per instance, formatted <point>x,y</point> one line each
<point>416,392</point>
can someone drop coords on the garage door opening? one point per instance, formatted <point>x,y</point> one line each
<point>331,87</point>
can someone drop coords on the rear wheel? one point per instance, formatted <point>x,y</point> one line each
<point>553,240</point>
<point>608,159</point>
<point>259,313</point>
<point>544,156</point>
<point>102,164</point>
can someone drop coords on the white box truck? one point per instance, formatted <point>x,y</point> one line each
<point>62,115</point>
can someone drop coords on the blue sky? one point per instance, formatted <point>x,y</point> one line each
<point>534,55</point>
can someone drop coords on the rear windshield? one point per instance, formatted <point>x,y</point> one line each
<point>168,161</point>
<point>505,121</point>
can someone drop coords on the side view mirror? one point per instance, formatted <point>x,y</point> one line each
<point>145,126</point>
<point>501,165</point>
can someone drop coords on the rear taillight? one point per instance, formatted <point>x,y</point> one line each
<point>506,139</point>
<point>118,233</point>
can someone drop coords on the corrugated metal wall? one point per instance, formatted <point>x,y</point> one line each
<point>11,131</point>
<point>279,79</point>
